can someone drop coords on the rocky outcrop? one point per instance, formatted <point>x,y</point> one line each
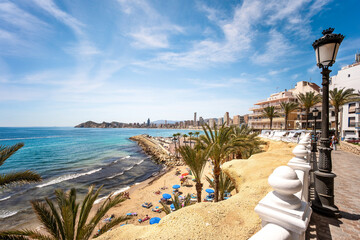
<point>91,124</point>
<point>151,147</point>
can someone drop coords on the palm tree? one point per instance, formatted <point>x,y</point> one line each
<point>246,142</point>
<point>218,143</point>
<point>190,134</point>
<point>16,177</point>
<point>185,136</point>
<point>196,159</point>
<point>177,203</point>
<point>225,184</point>
<point>174,140</point>
<point>288,107</point>
<point>269,112</point>
<point>197,134</point>
<point>67,222</point>
<point>339,97</point>
<point>307,101</point>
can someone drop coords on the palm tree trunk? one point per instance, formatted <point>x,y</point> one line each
<point>336,123</point>
<point>307,121</point>
<point>270,123</point>
<point>198,186</point>
<point>217,171</point>
<point>286,117</point>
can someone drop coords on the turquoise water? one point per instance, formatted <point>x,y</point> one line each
<point>72,157</point>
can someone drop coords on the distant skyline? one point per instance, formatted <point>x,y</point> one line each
<point>66,62</point>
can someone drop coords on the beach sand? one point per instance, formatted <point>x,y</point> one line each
<point>234,218</point>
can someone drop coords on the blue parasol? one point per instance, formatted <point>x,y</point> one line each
<point>209,190</point>
<point>176,186</point>
<point>166,196</point>
<point>154,220</point>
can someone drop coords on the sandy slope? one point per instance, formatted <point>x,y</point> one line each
<point>230,219</point>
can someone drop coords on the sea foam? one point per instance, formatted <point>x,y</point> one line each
<point>126,169</point>
<point>114,194</point>
<point>67,177</point>
<point>5,213</point>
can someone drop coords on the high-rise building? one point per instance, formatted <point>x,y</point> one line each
<point>220,121</point>
<point>227,119</point>
<point>212,123</point>
<point>148,122</point>
<point>236,120</point>
<point>201,121</point>
<point>195,119</point>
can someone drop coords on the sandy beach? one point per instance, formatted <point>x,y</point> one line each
<point>145,192</point>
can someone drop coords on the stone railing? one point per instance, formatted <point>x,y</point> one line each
<point>349,147</point>
<point>285,212</point>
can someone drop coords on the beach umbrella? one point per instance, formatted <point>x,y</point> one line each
<point>209,190</point>
<point>154,220</point>
<point>184,174</point>
<point>172,206</point>
<point>176,186</point>
<point>166,196</point>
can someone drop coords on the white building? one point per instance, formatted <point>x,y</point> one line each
<point>349,116</point>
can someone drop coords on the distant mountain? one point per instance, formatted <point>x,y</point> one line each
<point>163,121</point>
<point>91,124</point>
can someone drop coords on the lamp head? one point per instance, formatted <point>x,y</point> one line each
<point>326,48</point>
<point>315,112</point>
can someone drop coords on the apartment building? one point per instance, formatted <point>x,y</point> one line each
<point>256,120</point>
<point>349,116</point>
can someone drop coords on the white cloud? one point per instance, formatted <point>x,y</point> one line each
<point>146,38</point>
<point>50,7</point>
<point>276,47</point>
<point>275,72</point>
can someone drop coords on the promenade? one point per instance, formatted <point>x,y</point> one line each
<point>347,198</point>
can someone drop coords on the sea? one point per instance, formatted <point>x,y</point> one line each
<point>68,157</point>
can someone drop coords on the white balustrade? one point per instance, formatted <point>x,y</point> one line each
<point>285,212</point>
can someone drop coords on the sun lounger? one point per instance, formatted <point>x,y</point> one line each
<point>147,205</point>
<point>132,214</point>
<point>157,209</point>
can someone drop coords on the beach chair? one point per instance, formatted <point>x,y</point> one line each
<point>147,205</point>
<point>132,214</point>
<point>109,218</point>
<point>157,209</point>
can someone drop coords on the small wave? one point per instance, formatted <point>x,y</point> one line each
<point>5,198</point>
<point>5,214</point>
<point>140,162</point>
<point>67,177</point>
<point>126,169</point>
<point>114,194</point>
<point>9,139</point>
<point>122,158</point>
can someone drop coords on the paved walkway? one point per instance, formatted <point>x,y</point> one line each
<point>347,198</point>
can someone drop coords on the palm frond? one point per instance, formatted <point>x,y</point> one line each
<point>8,151</point>
<point>24,235</point>
<point>113,223</point>
<point>19,178</point>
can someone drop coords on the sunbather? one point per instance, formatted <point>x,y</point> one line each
<point>144,219</point>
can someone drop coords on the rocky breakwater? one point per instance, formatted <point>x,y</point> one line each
<point>153,148</point>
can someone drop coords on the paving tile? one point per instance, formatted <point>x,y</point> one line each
<point>347,198</point>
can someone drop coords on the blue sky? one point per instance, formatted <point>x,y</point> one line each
<point>66,62</point>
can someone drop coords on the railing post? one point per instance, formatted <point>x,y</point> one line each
<point>302,167</point>
<point>282,208</point>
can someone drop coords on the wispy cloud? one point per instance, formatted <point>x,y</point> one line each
<point>275,72</point>
<point>276,47</point>
<point>50,7</point>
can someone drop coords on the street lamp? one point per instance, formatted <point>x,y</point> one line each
<point>313,160</point>
<point>326,49</point>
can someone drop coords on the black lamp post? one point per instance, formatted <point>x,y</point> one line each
<point>313,160</point>
<point>326,49</point>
